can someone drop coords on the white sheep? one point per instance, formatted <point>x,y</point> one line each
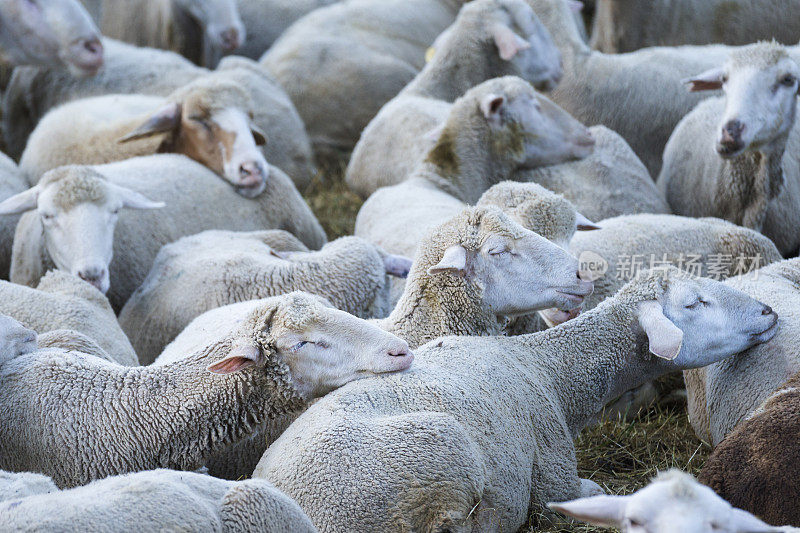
<point>625,26</point>
<point>735,157</point>
<point>158,500</point>
<point>11,183</point>
<point>637,95</point>
<point>15,339</point>
<point>266,20</point>
<point>286,352</point>
<point>127,69</point>
<point>200,30</point>
<point>480,431</point>
<point>470,275</point>
<point>350,273</point>
<point>756,466</point>
<point>725,393</point>
<point>220,120</point>
<point>63,302</point>
<point>489,39</point>
<point>49,33</point>
<point>83,200</point>
<point>673,501</point>
<point>341,63</point>
<point>495,129</point>
<point>15,485</point>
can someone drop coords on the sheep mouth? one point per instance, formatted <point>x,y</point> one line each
<point>768,333</point>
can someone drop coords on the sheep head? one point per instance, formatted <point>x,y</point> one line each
<point>220,20</point>
<point>673,501</point>
<point>78,210</point>
<point>211,121</point>
<point>312,347</point>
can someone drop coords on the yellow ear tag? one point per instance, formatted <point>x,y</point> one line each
<point>429,53</point>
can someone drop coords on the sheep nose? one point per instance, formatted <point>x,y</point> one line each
<point>766,310</point>
<point>251,174</point>
<point>398,351</point>
<point>87,54</point>
<point>731,137</point>
<point>92,275</point>
<point>230,39</point>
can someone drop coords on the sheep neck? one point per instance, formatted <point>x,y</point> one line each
<point>466,169</point>
<point>429,309</point>
<point>601,355</point>
<point>752,180</point>
<point>453,71</point>
<point>193,411</point>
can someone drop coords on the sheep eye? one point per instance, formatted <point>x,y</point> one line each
<point>48,216</point>
<point>497,252</point>
<point>788,80</point>
<point>299,345</point>
<point>694,305</point>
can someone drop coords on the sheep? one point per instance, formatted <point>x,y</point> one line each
<point>192,192</point>
<point>442,297</point>
<point>724,394</point>
<point>11,183</point>
<point>477,446</point>
<point>756,466</point>
<point>15,339</point>
<point>673,501</point>
<point>159,500</point>
<point>49,33</point>
<point>200,30</point>
<point>286,352</point>
<point>489,39</point>
<point>14,485</point>
<point>341,63</point>
<point>494,129</point>
<point>70,340</point>
<point>627,26</point>
<point>746,179</point>
<point>126,69</point>
<point>263,30</point>
<point>233,267</point>
<point>64,302</point>
<point>220,119</point>
<point>637,95</point>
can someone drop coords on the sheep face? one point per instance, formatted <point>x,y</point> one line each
<point>522,40</point>
<point>533,130</point>
<point>220,18</point>
<point>78,210</point>
<point>324,348</point>
<point>15,339</point>
<point>49,33</point>
<point>672,502</point>
<point>761,86</point>
<point>217,134</point>
<point>698,321</point>
<point>517,271</point>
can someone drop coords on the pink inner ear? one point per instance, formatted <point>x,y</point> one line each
<point>508,43</point>
<point>231,364</point>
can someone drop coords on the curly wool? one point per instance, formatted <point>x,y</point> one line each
<point>433,305</point>
<point>62,301</point>
<point>234,267</point>
<point>159,500</point>
<point>172,416</point>
<point>493,439</point>
<point>15,485</point>
<point>75,188</point>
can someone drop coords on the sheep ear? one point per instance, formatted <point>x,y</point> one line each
<point>575,5</point>
<point>453,260</point>
<point>165,120</point>
<point>19,203</point>
<point>584,224</point>
<point>240,357</point>
<point>491,105</point>
<point>665,338</point>
<point>279,254</point>
<point>508,43</point>
<point>710,80</point>
<point>258,135</point>
<point>134,200</point>
<point>434,134</point>
<point>606,511</point>
<point>397,265</point>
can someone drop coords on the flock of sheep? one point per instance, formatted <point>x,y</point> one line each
<point>553,220</point>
